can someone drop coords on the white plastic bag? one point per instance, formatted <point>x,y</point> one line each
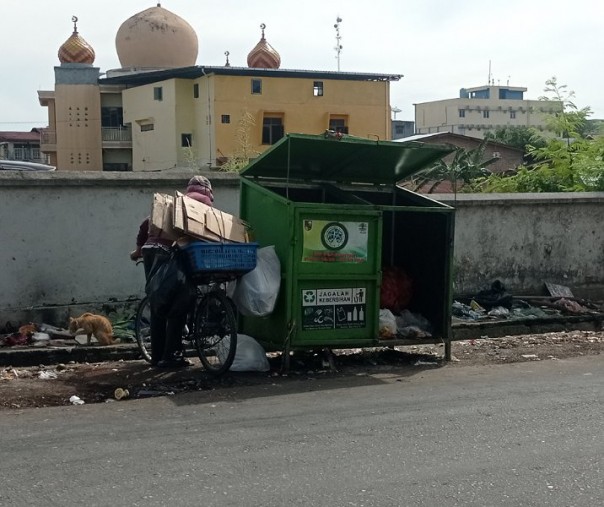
<point>250,356</point>
<point>256,292</point>
<point>387,324</point>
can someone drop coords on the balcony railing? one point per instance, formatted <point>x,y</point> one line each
<point>116,134</point>
<point>48,137</point>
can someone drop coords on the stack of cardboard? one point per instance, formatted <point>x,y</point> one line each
<point>173,217</point>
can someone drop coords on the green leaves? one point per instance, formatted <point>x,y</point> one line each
<point>466,165</point>
<point>570,162</point>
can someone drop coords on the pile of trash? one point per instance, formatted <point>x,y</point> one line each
<point>406,325</point>
<point>44,335</point>
<point>496,303</point>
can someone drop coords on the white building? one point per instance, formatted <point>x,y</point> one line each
<point>481,109</point>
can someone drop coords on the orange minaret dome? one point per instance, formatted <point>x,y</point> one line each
<point>156,38</point>
<point>76,49</point>
<point>263,56</point>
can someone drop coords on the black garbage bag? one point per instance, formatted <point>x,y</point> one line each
<point>495,296</point>
<point>167,285</point>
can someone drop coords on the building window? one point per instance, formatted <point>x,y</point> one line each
<point>196,91</point>
<point>338,125</point>
<point>272,129</point>
<point>256,86</point>
<point>158,93</point>
<point>146,127</point>
<point>462,113</point>
<point>186,140</point>
<point>485,114</point>
<point>112,117</point>
<point>225,118</point>
<point>317,88</point>
<point>512,115</point>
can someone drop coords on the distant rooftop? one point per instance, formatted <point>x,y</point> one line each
<point>145,76</point>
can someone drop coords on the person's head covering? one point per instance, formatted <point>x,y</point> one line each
<point>200,180</point>
<point>200,185</point>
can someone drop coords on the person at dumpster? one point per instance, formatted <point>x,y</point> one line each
<point>167,322</point>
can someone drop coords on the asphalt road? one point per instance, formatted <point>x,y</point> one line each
<point>520,435</point>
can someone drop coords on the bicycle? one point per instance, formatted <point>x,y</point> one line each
<point>211,325</point>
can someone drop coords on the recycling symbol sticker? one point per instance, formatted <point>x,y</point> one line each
<point>309,297</point>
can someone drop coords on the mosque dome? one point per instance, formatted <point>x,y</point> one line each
<point>263,56</point>
<point>156,38</point>
<point>76,49</point>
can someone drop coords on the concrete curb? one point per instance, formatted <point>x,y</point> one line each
<point>33,356</point>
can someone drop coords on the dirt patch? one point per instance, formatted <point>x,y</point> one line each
<point>43,386</point>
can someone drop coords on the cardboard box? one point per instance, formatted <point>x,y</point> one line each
<point>205,222</point>
<point>161,223</point>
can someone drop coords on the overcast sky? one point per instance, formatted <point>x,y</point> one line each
<point>439,46</point>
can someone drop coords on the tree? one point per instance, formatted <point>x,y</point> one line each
<point>466,166</point>
<point>570,121</point>
<point>244,151</point>
<point>523,138</point>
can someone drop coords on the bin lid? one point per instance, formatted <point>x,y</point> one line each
<point>343,159</point>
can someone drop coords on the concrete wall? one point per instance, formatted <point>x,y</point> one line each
<point>65,239</point>
<point>525,240</point>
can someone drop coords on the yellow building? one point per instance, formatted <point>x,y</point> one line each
<point>160,110</point>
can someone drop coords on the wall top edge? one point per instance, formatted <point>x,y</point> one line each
<point>104,179</point>
<point>518,198</point>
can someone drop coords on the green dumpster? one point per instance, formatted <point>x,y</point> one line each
<point>332,209</point>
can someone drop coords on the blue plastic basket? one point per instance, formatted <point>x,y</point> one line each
<point>232,258</point>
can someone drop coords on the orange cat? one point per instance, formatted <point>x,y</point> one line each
<point>96,325</point>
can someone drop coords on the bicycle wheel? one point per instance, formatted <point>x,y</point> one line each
<point>215,332</point>
<point>142,329</point>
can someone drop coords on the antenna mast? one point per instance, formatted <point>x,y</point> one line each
<point>338,47</point>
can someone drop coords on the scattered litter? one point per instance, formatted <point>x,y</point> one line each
<point>495,296</point>
<point>40,337</point>
<point>532,312</point>
<point>570,306</point>
<point>82,339</point>
<point>387,324</point>
<point>463,311</point>
<point>47,375</point>
<point>424,363</point>
<point>476,307</point>
<point>413,325</point>
<point>531,356</point>
<point>120,394</point>
<point>558,290</point>
<point>9,374</point>
<point>250,356</point>
<point>498,311</point>
<point>14,340</point>
<point>76,400</point>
